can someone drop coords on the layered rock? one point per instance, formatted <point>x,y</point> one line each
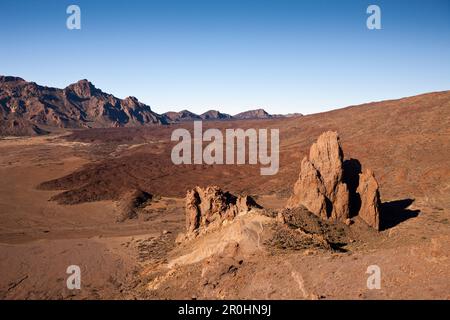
<point>322,185</point>
<point>210,205</point>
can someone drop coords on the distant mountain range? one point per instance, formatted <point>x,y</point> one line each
<point>186,115</point>
<point>27,108</point>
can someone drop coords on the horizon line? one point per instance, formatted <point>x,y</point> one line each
<point>244,109</point>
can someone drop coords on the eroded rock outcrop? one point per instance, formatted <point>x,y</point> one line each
<point>322,186</point>
<point>368,191</point>
<point>210,205</point>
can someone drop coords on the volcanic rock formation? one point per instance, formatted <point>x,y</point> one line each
<point>370,199</point>
<point>210,205</point>
<point>184,115</point>
<point>322,188</point>
<point>26,106</point>
<point>215,115</point>
<point>253,114</point>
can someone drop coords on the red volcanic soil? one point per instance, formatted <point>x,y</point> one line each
<point>405,142</point>
<point>128,249</point>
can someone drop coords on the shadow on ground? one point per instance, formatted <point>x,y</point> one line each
<point>394,212</point>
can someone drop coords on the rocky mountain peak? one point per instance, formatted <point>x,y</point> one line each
<point>253,114</point>
<point>83,88</point>
<point>214,115</point>
<point>132,99</point>
<point>11,79</point>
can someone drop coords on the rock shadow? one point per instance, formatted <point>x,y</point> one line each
<point>394,212</point>
<point>351,171</point>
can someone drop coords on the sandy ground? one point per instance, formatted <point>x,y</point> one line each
<point>137,259</point>
<point>39,239</point>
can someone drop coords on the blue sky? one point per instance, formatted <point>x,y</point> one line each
<point>285,56</point>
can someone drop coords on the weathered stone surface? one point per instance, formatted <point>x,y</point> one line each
<point>340,200</point>
<point>192,210</point>
<point>320,186</point>
<point>330,192</point>
<point>326,156</point>
<point>205,206</point>
<point>309,191</point>
<point>27,107</point>
<point>368,190</point>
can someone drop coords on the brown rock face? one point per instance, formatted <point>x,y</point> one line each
<point>326,156</point>
<point>322,185</point>
<point>309,191</point>
<point>253,114</point>
<point>192,210</point>
<point>370,199</point>
<point>205,206</point>
<point>26,106</point>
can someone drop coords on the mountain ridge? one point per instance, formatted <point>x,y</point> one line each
<point>27,108</point>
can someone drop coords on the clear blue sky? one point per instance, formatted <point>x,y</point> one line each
<point>284,56</point>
